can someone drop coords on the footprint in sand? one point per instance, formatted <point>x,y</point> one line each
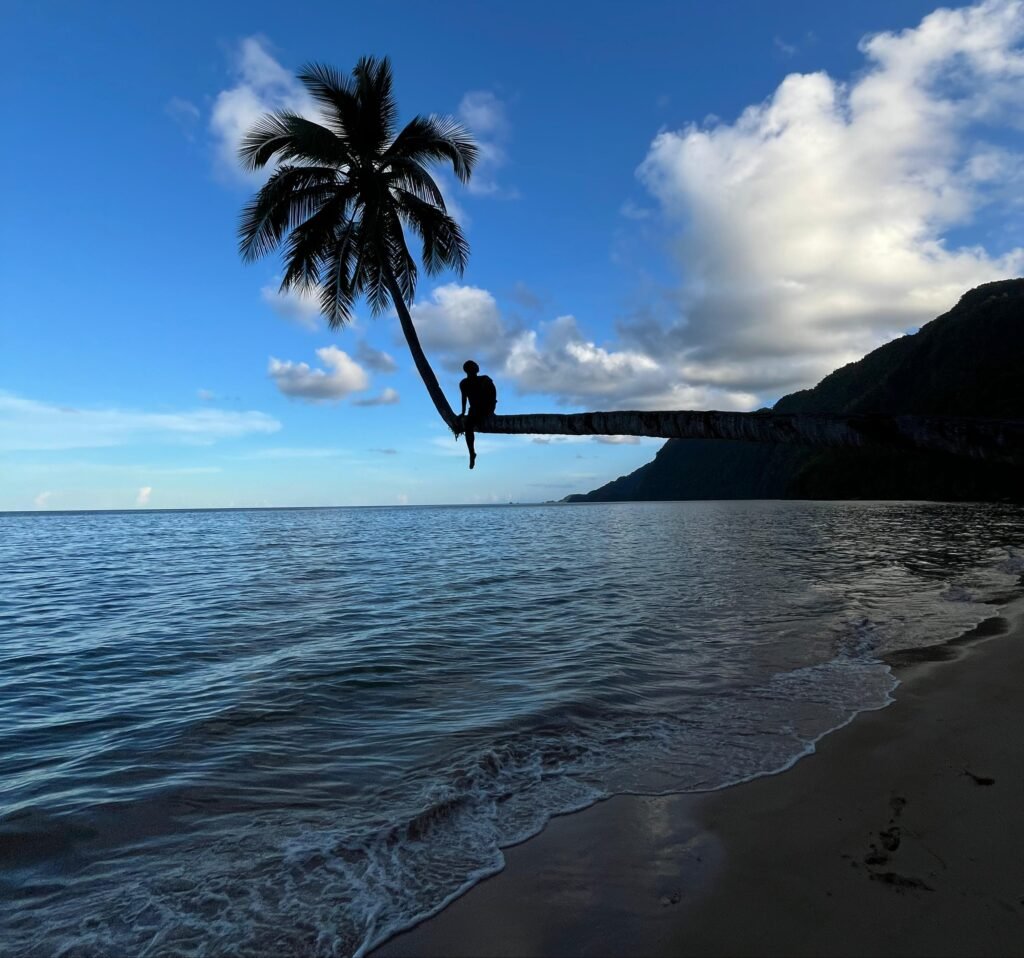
<point>890,839</point>
<point>901,881</point>
<point>979,779</point>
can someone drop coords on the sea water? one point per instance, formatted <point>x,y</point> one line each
<point>299,731</point>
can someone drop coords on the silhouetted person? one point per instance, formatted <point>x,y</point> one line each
<point>482,397</point>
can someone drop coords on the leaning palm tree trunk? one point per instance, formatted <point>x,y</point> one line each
<point>995,440</point>
<point>441,403</point>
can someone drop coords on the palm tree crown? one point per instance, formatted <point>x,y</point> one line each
<point>346,188</point>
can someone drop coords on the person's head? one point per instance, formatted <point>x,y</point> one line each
<point>470,367</point>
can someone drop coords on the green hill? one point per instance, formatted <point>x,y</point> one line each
<point>967,362</point>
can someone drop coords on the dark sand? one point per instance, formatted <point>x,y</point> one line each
<point>902,835</point>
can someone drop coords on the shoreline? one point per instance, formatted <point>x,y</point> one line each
<point>896,836</point>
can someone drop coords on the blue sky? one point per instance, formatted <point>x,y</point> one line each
<point>680,205</point>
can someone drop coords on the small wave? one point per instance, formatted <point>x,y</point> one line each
<point>1013,564</point>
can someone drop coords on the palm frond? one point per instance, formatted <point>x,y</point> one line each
<point>374,284</point>
<point>377,108</point>
<point>290,196</point>
<point>338,288</point>
<point>336,93</point>
<point>289,136</point>
<point>434,139</point>
<point>444,244</point>
<point>309,246</point>
<point>409,175</point>
<point>403,266</point>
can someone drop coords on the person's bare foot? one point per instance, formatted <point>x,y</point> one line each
<point>472,460</point>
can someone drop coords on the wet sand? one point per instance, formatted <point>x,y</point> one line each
<point>902,835</point>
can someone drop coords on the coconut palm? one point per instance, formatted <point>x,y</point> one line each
<point>347,190</point>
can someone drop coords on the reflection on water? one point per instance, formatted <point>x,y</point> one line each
<point>295,731</point>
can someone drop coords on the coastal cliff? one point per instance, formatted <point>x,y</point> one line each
<point>967,362</point>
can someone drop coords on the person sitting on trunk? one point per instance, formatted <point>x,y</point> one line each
<point>482,397</point>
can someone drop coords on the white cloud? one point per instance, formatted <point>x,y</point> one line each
<point>26,424</point>
<point>262,86</point>
<point>387,398</point>
<point>342,376</point>
<point>206,395</point>
<point>298,306</point>
<point>562,362</point>
<point>557,359</point>
<point>42,500</point>
<point>461,322</point>
<point>142,499</point>
<point>618,440</point>
<point>813,228</point>
<point>484,114</point>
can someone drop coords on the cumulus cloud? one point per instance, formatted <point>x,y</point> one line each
<point>262,85</point>
<point>27,424</point>
<point>42,500</point>
<point>485,116</point>
<point>387,398</point>
<point>375,359</point>
<point>142,499</point>
<point>815,226</point>
<point>342,376</point>
<point>460,323</point>
<point>561,361</point>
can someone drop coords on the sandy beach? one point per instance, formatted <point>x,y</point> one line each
<point>900,835</point>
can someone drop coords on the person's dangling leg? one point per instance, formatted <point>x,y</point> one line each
<point>470,438</point>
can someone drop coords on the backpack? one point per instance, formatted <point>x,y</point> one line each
<point>486,393</point>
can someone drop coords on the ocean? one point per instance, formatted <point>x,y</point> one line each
<point>300,731</point>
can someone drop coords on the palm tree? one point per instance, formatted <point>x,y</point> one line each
<point>346,190</point>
